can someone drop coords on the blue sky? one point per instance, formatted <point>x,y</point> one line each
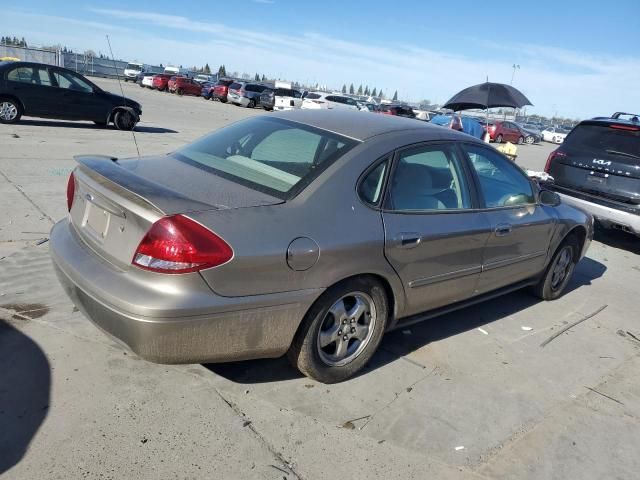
<point>577,58</point>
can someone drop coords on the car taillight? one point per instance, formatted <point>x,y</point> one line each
<point>552,156</point>
<point>625,127</point>
<point>71,190</point>
<point>177,244</point>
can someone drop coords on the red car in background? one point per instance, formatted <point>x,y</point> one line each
<point>171,84</point>
<point>161,81</point>
<point>187,86</point>
<point>221,90</point>
<point>503,131</point>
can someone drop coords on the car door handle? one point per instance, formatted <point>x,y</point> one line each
<point>503,229</point>
<point>408,240</point>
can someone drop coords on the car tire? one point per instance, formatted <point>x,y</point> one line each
<point>557,275</point>
<point>520,140</point>
<point>529,140</point>
<point>251,104</point>
<point>499,139</point>
<point>179,91</point>
<point>10,110</point>
<point>364,298</point>
<point>124,120</point>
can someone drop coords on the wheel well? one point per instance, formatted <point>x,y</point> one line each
<point>15,99</point>
<point>580,234</point>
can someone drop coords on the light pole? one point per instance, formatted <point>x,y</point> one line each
<point>515,67</point>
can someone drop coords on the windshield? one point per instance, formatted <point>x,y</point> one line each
<point>268,154</point>
<point>134,66</point>
<point>602,138</point>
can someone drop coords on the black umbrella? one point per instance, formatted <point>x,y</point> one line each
<point>487,95</point>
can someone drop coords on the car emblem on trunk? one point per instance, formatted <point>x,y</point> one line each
<point>601,162</point>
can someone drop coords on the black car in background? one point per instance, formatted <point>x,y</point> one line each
<point>597,168</point>
<point>47,91</point>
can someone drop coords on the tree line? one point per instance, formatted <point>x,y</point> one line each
<point>13,41</point>
<point>367,92</point>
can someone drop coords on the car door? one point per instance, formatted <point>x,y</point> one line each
<point>75,98</point>
<point>32,86</point>
<point>521,229</point>
<point>434,239</point>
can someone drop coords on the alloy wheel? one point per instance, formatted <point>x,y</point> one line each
<point>561,267</point>
<point>8,111</point>
<point>346,329</point>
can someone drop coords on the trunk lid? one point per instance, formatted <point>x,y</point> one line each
<point>116,202</point>
<point>602,159</point>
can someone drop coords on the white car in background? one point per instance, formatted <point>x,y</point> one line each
<point>555,134</point>
<point>147,80</point>
<point>132,70</point>
<point>324,101</point>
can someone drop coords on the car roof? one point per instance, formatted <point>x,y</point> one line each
<point>606,121</point>
<point>360,126</point>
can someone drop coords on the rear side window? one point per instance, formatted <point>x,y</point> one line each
<point>625,140</point>
<point>32,75</point>
<point>502,183</point>
<point>313,96</point>
<point>268,154</point>
<point>370,188</point>
<point>429,178</point>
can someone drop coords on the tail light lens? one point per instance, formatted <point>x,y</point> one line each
<point>71,191</point>
<point>177,244</point>
<point>552,156</point>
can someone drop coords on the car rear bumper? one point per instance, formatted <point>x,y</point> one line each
<point>222,328</point>
<point>609,213</point>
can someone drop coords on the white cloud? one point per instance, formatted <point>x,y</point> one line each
<point>571,83</point>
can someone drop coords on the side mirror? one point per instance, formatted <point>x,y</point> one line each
<point>552,199</point>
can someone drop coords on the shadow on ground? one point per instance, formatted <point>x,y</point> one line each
<point>25,384</point>
<point>89,125</point>
<point>397,345</point>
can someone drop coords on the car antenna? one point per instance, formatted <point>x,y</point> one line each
<point>124,99</point>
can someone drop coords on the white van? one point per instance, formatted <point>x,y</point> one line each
<point>132,70</point>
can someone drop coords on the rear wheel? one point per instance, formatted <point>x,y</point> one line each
<point>10,110</point>
<point>529,140</point>
<point>179,91</point>
<point>559,271</point>
<point>251,104</point>
<point>499,139</point>
<point>124,120</point>
<point>520,140</point>
<point>341,331</point>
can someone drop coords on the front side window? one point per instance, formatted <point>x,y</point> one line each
<point>71,81</point>
<point>268,154</point>
<point>502,183</point>
<point>428,178</point>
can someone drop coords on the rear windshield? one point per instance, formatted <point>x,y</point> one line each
<point>313,96</point>
<point>271,155</point>
<point>605,138</point>
<point>235,86</point>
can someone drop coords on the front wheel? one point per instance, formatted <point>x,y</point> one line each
<point>251,104</point>
<point>559,271</point>
<point>124,120</point>
<point>529,140</point>
<point>520,140</point>
<point>179,91</point>
<point>10,111</point>
<point>341,331</point>
<point>499,139</point>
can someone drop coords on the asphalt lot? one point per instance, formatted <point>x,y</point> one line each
<point>442,399</point>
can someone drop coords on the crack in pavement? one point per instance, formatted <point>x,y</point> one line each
<point>19,189</point>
